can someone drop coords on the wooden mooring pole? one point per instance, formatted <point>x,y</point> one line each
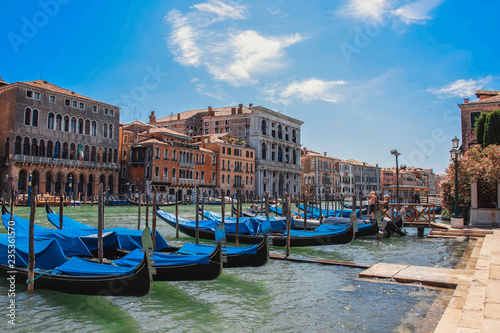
<point>31,253</point>
<point>287,198</point>
<point>61,209</point>
<point>100,224</point>
<point>176,214</point>
<point>153,236</point>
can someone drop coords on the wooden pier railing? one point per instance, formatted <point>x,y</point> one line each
<point>414,214</point>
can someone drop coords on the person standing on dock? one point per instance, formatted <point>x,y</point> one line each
<point>371,204</point>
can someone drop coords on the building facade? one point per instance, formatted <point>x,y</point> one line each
<point>274,136</point>
<point>320,176</point>
<point>170,161</point>
<point>489,100</point>
<point>58,137</point>
<point>359,177</point>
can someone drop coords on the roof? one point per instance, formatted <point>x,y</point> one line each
<point>153,130</point>
<point>224,111</point>
<point>493,99</point>
<point>487,92</point>
<point>354,162</point>
<point>42,84</point>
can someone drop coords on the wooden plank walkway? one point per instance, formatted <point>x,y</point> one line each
<point>319,261</point>
<point>430,276</point>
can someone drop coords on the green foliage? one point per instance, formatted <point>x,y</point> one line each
<point>478,164</point>
<point>480,128</point>
<point>492,129</point>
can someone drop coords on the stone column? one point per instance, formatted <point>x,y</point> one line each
<point>473,194</point>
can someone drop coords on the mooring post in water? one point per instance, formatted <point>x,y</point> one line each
<point>420,231</point>
<point>139,213</point>
<point>153,236</point>
<point>354,202</point>
<point>176,213</point>
<point>100,224</point>
<point>202,206</point>
<point>223,210</point>
<point>232,201</point>
<point>286,202</point>
<point>320,210</point>
<point>238,214</point>
<point>305,211</point>
<point>31,254</point>
<point>11,208</point>
<point>267,205</point>
<point>61,209</point>
<point>146,195</point>
<point>276,206</point>
<point>197,234</point>
<point>327,203</point>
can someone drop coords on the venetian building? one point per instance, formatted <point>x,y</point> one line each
<point>320,175</point>
<point>59,138</point>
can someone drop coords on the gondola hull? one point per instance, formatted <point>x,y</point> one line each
<point>278,240</point>
<point>137,284</point>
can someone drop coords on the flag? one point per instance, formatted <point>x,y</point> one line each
<point>99,156</point>
<point>56,149</point>
<point>80,153</point>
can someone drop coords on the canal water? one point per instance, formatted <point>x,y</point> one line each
<point>279,297</point>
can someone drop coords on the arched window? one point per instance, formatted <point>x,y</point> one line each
<point>86,153</point>
<point>115,156</point>
<point>223,179</point>
<point>165,174</point>
<point>34,122</point>
<point>93,154</point>
<point>124,171</point>
<point>203,159</point>
<point>65,150</point>
<point>87,127</point>
<point>26,146</point>
<point>18,146</point>
<point>34,147</point>
<point>264,151</point>
<point>280,132</point>
<point>294,157</point>
<point>157,172</point>
<point>93,129</point>
<point>72,152</point>
<point>124,154</point>
<point>41,148</point>
<point>157,153</point>
<point>50,121</point>
<point>110,155</point>
<point>58,122</point>
<point>105,131</point>
<point>66,124</point>
<point>80,126</point>
<point>73,125</point>
<point>147,173</point>
<point>110,131</point>
<point>280,154</point>
<point>104,155</point>
<point>27,116</point>
<point>173,173</point>
<point>264,127</point>
<point>49,148</point>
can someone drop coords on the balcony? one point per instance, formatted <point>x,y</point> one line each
<point>186,181</point>
<point>186,165</point>
<point>59,161</point>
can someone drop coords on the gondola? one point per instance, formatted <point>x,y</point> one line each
<point>76,276</point>
<point>314,212</point>
<point>159,204</point>
<point>251,256</point>
<point>169,267</point>
<point>326,235</point>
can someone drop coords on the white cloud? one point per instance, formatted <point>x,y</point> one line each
<point>307,91</point>
<point>366,9</point>
<point>417,11</point>
<point>230,55</point>
<point>460,88</point>
<point>222,10</point>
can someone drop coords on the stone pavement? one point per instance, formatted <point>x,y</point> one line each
<point>475,304</point>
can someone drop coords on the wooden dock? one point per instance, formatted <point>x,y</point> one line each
<point>319,261</point>
<point>429,276</point>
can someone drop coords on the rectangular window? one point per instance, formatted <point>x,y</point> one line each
<point>216,123</point>
<point>67,102</point>
<point>94,108</point>
<point>36,95</point>
<point>82,105</point>
<point>106,111</point>
<point>52,99</point>
<point>111,112</point>
<point>29,94</point>
<point>206,131</point>
<point>216,130</point>
<point>206,123</point>
<point>473,118</point>
<point>227,122</point>
<point>227,129</point>
<point>74,104</point>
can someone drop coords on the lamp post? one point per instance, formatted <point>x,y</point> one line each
<point>396,153</point>
<point>455,156</point>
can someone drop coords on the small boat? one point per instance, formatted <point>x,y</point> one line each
<point>365,228</point>
<point>323,235</point>
<point>251,256</point>
<point>76,275</point>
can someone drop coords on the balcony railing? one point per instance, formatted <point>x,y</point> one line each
<point>186,164</point>
<point>60,161</point>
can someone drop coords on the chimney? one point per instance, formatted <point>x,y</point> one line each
<point>233,110</point>
<point>210,112</point>
<point>250,105</point>
<point>152,118</point>
<point>324,153</point>
<point>202,142</point>
<point>240,109</point>
<point>466,100</point>
<point>136,134</point>
<point>178,116</point>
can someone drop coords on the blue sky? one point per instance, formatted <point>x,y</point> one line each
<point>365,76</point>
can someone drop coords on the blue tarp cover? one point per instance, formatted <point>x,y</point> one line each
<point>48,253</point>
<point>162,259</point>
<point>322,230</point>
<point>80,267</point>
<point>127,239</point>
<point>277,223</point>
<point>191,248</point>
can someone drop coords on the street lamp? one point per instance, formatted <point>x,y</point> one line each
<point>455,156</point>
<point>395,153</point>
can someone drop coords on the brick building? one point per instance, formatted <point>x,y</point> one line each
<point>356,176</point>
<point>44,129</point>
<point>320,176</point>
<point>489,100</point>
<point>235,164</point>
<point>169,160</point>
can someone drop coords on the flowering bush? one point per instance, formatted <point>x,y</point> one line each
<point>482,164</point>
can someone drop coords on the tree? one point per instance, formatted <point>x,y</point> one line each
<point>492,129</point>
<point>481,120</point>
<point>482,165</point>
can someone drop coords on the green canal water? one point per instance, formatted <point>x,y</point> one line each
<point>279,297</point>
